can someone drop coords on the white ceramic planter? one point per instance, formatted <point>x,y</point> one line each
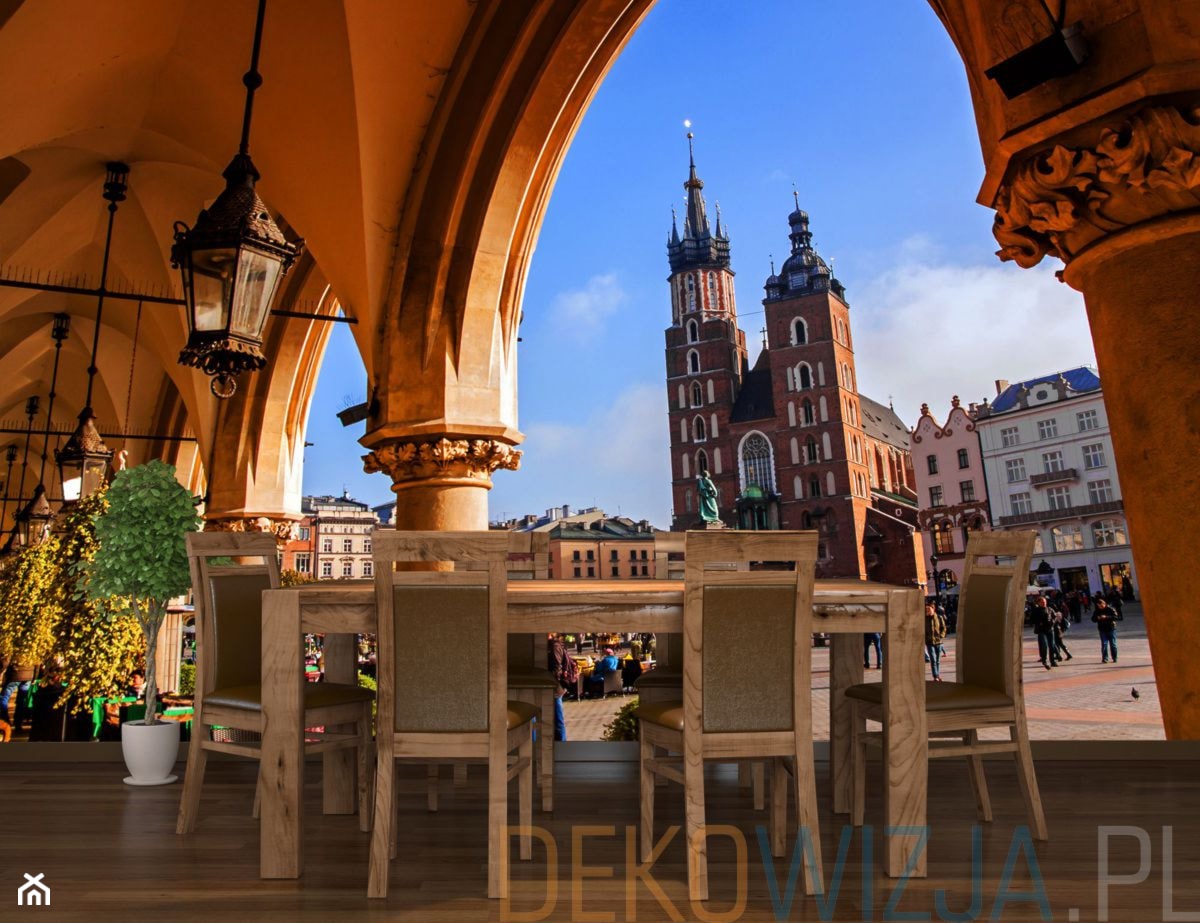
<point>150,751</point>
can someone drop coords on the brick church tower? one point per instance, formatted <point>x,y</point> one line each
<point>706,354</point>
<point>789,443</point>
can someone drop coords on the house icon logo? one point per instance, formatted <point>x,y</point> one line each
<point>34,893</point>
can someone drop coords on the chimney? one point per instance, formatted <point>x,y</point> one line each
<point>566,510</point>
<point>1001,386</point>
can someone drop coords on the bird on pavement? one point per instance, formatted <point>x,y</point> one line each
<point>1133,692</point>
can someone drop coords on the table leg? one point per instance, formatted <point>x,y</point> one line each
<point>906,735</point>
<point>282,769</point>
<point>339,767</point>
<point>845,670</point>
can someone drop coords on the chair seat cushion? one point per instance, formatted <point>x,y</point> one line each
<point>316,695</point>
<point>664,714</point>
<point>939,696</point>
<point>661,678</point>
<point>520,713</point>
<point>531,678</point>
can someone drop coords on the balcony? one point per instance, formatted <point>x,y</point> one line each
<point>1070,512</point>
<point>1054,477</point>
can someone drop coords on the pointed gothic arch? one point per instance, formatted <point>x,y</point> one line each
<point>756,462</point>
<point>693,331</point>
<point>799,331</point>
<point>804,376</point>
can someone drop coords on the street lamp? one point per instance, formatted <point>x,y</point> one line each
<point>83,461</point>
<point>231,262</point>
<point>33,522</point>
<point>937,584</point>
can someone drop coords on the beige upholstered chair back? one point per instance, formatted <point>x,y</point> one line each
<point>227,591</point>
<point>748,632</point>
<point>442,634</point>
<point>991,607</point>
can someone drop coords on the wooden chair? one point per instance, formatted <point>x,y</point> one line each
<point>529,680</point>
<point>747,675</point>
<point>443,685</point>
<point>988,690</point>
<point>228,613</point>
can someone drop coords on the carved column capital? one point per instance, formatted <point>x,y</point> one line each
<point>1063,198</point>
<point>284,530</point>
<point>442,461</point>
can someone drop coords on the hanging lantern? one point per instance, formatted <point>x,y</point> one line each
<point>83,461</point>
<point>33,522</point>
<point>231,262</point>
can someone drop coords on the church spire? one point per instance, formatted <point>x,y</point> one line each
<point>696,223</point>
<point>698,246</point>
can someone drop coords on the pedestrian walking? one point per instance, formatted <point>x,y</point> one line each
<point>935,633</point>
<point>872,639</point>
<point>1043,628</point>
<point>1106,618</point>
<point>1061,625</point>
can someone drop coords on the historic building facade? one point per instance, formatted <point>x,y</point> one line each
<point>591,545</point>
<point>789,443</point>
<point>341,537</point>
<point>951,486</point>
<point>1049,463</point>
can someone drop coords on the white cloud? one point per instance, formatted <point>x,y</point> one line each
<point>617,457</point>
<point>926,330</point>
<point>580,314</point>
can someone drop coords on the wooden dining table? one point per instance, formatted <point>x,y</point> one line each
<point>844,609</point>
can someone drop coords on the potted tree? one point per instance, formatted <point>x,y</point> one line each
<point>140,564</point>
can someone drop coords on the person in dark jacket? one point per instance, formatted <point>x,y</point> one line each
<point>1106,617</point>
<point>566,672</point>
<point>1061,623</point>
<point>1043,628</point>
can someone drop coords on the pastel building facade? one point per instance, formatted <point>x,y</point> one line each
<point>951,486</point>
<point>1049,464</point>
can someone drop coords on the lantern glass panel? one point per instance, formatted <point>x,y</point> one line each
<point>93,475</point>
<point>72,483</point>
<point>258,276</point>
<point>212,279</point>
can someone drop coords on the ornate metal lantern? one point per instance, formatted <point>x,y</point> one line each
<point>33,522</point>
<point>231,262</point>
<point>83,461</point>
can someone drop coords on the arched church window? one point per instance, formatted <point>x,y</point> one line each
<point>699,430</point>
<point>701,462</point>
<point>814,489</point>
<point>804,377</point>
<point>693,331</point>
<point>693,361</point>
<point>697,394</point>
<point>758,469</point>
<point>807,414</point>
<point>810,451</point>
<point>712,291</point>
<point>691,292</point>
<point>799,332</point>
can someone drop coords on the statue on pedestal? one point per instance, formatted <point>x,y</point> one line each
<point>707,493</point>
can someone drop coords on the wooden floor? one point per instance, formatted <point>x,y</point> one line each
<point>109,852</point>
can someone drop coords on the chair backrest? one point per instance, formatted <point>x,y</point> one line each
<point>991,609</point>
<point>228,605</point>
<point>667,544</point>
<point>748,633</point>
<point>442,634</point>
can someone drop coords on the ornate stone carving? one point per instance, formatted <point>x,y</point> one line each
<point>1064,198</point>
<point>284,530</point>
<point>442,460</point>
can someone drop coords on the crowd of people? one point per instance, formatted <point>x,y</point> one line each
<point>1052,614</point>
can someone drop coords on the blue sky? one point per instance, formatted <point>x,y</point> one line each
<point>863,105</point>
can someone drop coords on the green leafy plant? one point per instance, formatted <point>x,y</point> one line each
<point>96,647</point>
<point>28,617</point>
<point>142,559</point>
<point>624,726</point>
<point>187,679</point>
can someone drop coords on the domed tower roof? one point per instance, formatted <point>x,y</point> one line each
<point>804,271</point>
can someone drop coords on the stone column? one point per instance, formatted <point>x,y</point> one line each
<point>1121,207</point>
<point>442,483</point>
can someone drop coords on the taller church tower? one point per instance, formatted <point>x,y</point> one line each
<point>706,354</point>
